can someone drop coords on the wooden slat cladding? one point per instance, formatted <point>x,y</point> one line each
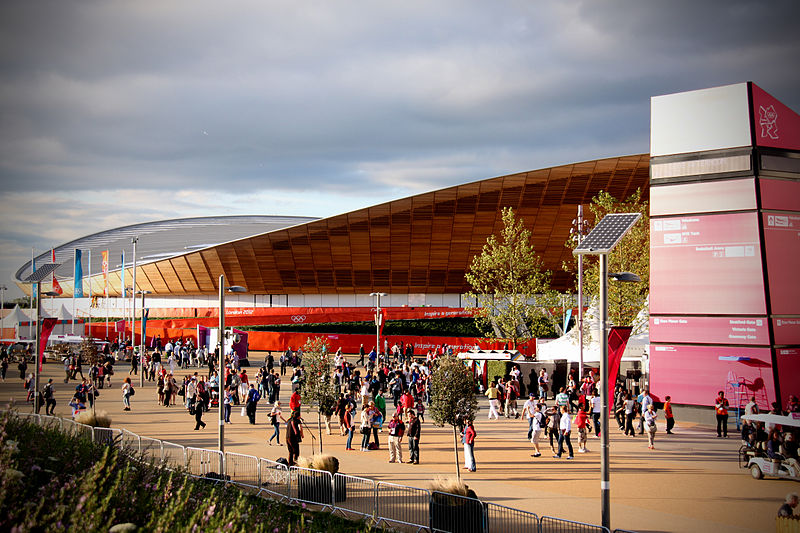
<point>420,244</point>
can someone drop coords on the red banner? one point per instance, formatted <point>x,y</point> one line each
<point>104,255</point>
<point>56,286</point>
<point>617,340</point>
<point>47,328</point>
<point>310,315</point>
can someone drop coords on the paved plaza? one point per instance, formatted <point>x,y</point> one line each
<point>691,481</point>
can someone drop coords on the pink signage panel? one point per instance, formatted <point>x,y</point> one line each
<point>787,331</point>
<point>783,195</point>
<point>694,374</point>
<point>782,244</point>
<point>776,125</point>
<point>788,372</point>
<point>710,330</point>
<point>706,264</point>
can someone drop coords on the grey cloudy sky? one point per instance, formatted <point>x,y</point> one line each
<point>115,113</point>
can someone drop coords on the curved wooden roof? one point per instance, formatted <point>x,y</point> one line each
<point>420,244</point>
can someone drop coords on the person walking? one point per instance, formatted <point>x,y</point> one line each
<point>366,426</point>
<point>252,403</point>
<point>396,430</point>
<point>528,410</point>
<point>227,402</point>
<point>645,403</point>
<point>349,425</point>
<point>650,424</point>
<point>294,436</point>
<point>565,428</point>
<point>492,393</point>
<point>48,393</point>
<point>469,447</point>
<point>597,408</point>
<point>581,421</point>
<point>127,392</point>
<point>721,408</point>
<point>274,415</point>
<point>414,427</point>
<point>537,427</point>
<point>198,417</point>
<point>630,412</point>
<point>670,418</point>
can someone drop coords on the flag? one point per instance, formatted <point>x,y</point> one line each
<point>56,286</point>
<point>120,326</point>
<point>77,290</point>
<point>617,340</point>
<point>122,277</point>
<point>145,314</point>
<point>104,255</point>
<point>47,328</point>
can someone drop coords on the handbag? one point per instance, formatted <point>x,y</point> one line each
<point>365,430</point>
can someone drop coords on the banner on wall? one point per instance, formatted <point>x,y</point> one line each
<point>617,340</point>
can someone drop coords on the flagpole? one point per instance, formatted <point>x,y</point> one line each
<point>89,264</point>
<point>30,320</point>
<point>74,273</point>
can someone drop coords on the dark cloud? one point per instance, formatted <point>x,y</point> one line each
<point>371,100</point>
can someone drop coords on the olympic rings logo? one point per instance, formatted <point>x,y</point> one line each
<point>298,318</point>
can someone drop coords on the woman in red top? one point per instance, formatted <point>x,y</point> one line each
<point>668,414</point>
<point>580,422</point>
<point>469,447</point>
<point>294,402</point>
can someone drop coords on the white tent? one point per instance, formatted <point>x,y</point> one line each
<point>567,347</point>
<point>13,320</point>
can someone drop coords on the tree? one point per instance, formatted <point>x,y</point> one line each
<point>318,387</point>
<point>632,254</point>
<point>511,286</point>
<point>452,396</point>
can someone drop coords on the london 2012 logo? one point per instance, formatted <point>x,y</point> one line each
<point>768,119</point>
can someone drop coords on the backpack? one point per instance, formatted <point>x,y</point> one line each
<point>132,392</point>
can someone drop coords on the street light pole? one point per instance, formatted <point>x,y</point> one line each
<point>3,290</point>
<point>220,371</point>
<point>580,294</point>
<point>141,340</point>
<point>605,477</point>
<point>134,240</point>
<point>378,320</point>
<point>221,362</point>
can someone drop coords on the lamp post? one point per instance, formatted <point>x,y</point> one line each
<point>378,319</point>
<point>578,226</point>
<point>134,240</point>
<point>3,290</point>
<point>600,241</point>
<point>221,362</point>
<point>36,278</point>
<point>141,338</point>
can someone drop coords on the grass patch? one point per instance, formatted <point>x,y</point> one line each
<point>50,481</point>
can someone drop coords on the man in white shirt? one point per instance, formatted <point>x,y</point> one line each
<point>528,410</point>
<point>597,409</point>
<point>564,430</point>
<point>646,400</point>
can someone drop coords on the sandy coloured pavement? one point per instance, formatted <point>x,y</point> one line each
<point>690,483</point>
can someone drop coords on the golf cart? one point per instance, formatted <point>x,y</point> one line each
<point>757,461</point>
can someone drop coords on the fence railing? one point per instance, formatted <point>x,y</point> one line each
<point>548,524</point>
<point>388,504</point>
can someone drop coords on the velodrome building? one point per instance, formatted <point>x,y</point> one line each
<point>723,181</point>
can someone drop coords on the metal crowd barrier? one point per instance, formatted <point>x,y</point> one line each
<point>311,486</point>
<point>502,519</point>
<point>354,495</point>
<point>243,469</point>
<point>548,524</point>
<point>173,455</point>
<point>399,504</point>
<point>204,463</point>
<point>274,479</point>
<point>388,504</point>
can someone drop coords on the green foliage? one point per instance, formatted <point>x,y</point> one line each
<point>511,286</point>
<point>56,482</point>
<point>632,254</point>
<point>452,392</point>
<point>496,368</point>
